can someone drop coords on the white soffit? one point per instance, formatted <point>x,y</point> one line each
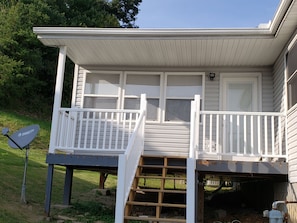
<point>176,47</point>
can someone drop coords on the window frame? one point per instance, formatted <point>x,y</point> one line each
<point>290,77</point>
<point>124,96</point>
<point>121,95</point>
<point>93,95</point>
<point>166,74</point>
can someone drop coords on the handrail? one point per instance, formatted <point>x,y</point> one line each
<point>99,110</point>
<point>132,140</point>
<point>242,113</point>
<point>128,163</point>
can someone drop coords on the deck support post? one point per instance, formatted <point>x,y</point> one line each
<point>48,190</point>
<point>200,203</point>
<point>191,190</point>
<point>68,185</point>
<point>102,179</point>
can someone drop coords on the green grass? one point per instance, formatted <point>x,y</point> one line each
<point>87,207</point>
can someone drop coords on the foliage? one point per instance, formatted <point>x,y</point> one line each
<point>27,68</point>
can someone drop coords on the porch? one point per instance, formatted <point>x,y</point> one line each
<point>211,135</point>
<point>234,144</point>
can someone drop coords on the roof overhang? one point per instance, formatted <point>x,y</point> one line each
<point>176,47</point>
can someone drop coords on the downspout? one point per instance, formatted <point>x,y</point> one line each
<point>58,97</point>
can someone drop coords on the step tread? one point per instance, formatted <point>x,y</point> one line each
<point>154,204</point>
<point>162,166</point>
<point>159,190</point>
<point>160,177</point>
<point>150,218</point>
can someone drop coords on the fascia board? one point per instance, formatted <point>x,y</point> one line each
<point>98,33</point>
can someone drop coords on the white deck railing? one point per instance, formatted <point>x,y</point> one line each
<point>94,130</point>
<point>238,135</point>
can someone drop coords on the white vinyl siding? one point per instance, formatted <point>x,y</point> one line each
<point>291,65</point>
<point>167,139</point>
<point>267,91</point>
<point>79,87</point>
<point>292,144</point>
<point>212,94</point>
<point>279,85</point>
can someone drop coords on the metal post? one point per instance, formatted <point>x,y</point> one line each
<point>48,191</point>
<point>23,192</point>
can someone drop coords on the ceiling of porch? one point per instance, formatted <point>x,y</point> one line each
<point>176,47</point>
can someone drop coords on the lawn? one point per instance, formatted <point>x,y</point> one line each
<point>89,204</point>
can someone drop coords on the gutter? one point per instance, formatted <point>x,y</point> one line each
<point>122,33</point>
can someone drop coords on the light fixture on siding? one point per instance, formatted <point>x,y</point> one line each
<point>212,76</point>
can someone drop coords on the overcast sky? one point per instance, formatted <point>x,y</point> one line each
<point>205,13</point>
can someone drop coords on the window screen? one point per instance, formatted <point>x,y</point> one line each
<point>139,84</point>
<point>180,91</point>
<point>101,90</point>
<point>292,76</point>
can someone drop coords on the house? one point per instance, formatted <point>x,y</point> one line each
<point>224,100</point>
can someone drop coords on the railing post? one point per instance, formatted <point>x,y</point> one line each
<point>197,123</point>
<point>194,127</point>
<point>191,190</point>
<point>143,102</point>
<point>120,196</point>
<point>191,161</point>
<point>192,131</point>
<point>143,108</point>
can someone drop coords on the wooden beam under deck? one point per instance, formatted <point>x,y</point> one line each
<point>83,161</point>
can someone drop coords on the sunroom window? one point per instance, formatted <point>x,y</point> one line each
<point>138,84</point>
<point>180,91</point>
<point>292,76</point>
<point>101,90</point>
<point>168,94</point>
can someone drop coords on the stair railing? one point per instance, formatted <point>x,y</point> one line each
<point>128,162</point>
<point>191,161</point>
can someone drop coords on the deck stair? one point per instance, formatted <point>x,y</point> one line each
<point>158,192</point>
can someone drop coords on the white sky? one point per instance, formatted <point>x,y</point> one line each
<point>205,13</point>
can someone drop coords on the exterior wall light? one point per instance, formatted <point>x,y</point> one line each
<point>212,76</point>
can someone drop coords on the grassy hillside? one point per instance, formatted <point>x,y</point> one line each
<point>87,202</point>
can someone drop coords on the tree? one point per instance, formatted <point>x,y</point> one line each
<point>21,54</point>
<point>27,68</point>
<point>126,11</point>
